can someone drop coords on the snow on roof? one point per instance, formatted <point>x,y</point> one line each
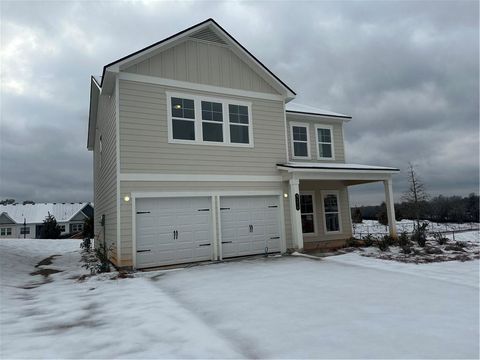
<point>36,213</point>
<point>296,107</point>
<point>336,166</point>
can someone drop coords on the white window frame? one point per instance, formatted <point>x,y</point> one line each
<point>76,225</point>
<point>197,100</point>
<point>327,127</point>
<point>314,209</point>
<point>4,231</point>
<point>307,126</point>
<point>324,195</point>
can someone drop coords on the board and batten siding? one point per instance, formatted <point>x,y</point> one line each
<point>144,146</point>
<point>339,150</point>
<point>105,173</point>
<point>203,63</point>
<point>128,187</point>
<point>346,226</point>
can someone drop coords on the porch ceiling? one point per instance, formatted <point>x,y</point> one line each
<point>350,174</point>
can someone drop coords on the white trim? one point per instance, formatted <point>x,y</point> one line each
<point>324,127</point>
<point>337,194</point>
<point>198,177</point>
<point>283,240</point>
<point>153,194</point>
<point>117,152</point>
<point>219,225</point>
<point>213,205</point>
<point>134,231</point>
<point>307,126</point>
<point>314,209</point>
<point>199,87</point>
<point>286,133</point>
<point>316,117</point>
<point>197,99</point>
<point>343,144</point>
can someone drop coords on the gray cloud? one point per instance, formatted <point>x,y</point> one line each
<point>406,71</point>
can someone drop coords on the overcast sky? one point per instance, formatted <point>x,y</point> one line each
<point>408,73</point>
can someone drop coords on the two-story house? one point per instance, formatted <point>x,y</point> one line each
<point>201,154</point>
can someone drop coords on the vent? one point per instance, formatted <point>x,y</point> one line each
<point>208,35</point>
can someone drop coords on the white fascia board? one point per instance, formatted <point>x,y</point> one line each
<point>316,117</point>
<point>334,174</point>
<point>95,92</point>
<point>197,177</point>
<point>199,87</point>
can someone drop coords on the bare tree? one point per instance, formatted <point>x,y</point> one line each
<point>416,194</point>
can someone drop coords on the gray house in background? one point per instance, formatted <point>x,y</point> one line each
<point>26,221</point>
<point>201,153</point>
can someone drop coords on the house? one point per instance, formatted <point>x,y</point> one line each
<point>200,153</point>
<point>26,221</point>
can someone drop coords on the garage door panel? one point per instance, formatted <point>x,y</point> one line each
<point>155,230</point>
<point>249,223</point>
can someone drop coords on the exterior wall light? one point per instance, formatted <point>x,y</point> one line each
<point>285,195</point>
<point>126,198</point>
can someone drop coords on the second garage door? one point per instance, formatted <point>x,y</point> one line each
<point>250,225</point>
<point>173,231</point>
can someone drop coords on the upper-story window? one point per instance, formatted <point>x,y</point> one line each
<point>324,136</point>
<point>183,118</point>
<point>300,140</point>
<point>196,119</point>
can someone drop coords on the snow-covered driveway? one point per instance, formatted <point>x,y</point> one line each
<point>341,307</point>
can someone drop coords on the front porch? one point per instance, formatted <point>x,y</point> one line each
<point>319,204</point>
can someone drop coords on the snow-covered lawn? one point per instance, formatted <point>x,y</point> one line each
<point>344,306</point>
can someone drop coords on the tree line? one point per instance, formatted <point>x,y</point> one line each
<point>442,209</point>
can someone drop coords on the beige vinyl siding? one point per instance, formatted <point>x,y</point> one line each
<point>144,146</point>
<point>339,151</point>
<point>127,187</point>
<point>105,175</point>
<point>346,227</point>
<point>203,63</point>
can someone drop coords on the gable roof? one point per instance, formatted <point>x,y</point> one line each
<point>220,35</point>
<point>36,213</point>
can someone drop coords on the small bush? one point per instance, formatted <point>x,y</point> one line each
<point>389,240</point>
<point>86,244</point>
<point>382,245</point>
<point>403,240</point>
<point>98,260</point>
<point>368,240</point>
<point>461,244</point>
<point>406,249</point>
<point>440,238</point>
<point>420,235</point>
<point>351,242</point>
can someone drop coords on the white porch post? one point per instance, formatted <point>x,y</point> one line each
<point>295,215</point>
<point>390,207</point>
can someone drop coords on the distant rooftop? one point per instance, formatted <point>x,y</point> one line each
<point>307,109</point>
<point>36,213</point>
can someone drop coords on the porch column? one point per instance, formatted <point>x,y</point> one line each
<point>295,215</point>
<point>390,207</point>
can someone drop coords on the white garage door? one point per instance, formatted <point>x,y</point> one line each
<point>173,231</point>
<point>250,225</point>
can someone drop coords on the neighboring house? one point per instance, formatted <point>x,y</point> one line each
<point>199,154</point>
<point>26,221</point>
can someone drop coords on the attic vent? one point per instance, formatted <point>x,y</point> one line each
<point>208,35</point>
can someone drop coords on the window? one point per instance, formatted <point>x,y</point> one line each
<point>5,231</point>
<point>300,140</point>
<point>324,142</point>
<point>24,230</point>
<point>212,121</point>
<point>204,120</point>
<point>331,211</point>
<point>62,228</point>
<point>76,227</point>
<point>307,210</point>
<point>183,119</point>
<point>238,116</point>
